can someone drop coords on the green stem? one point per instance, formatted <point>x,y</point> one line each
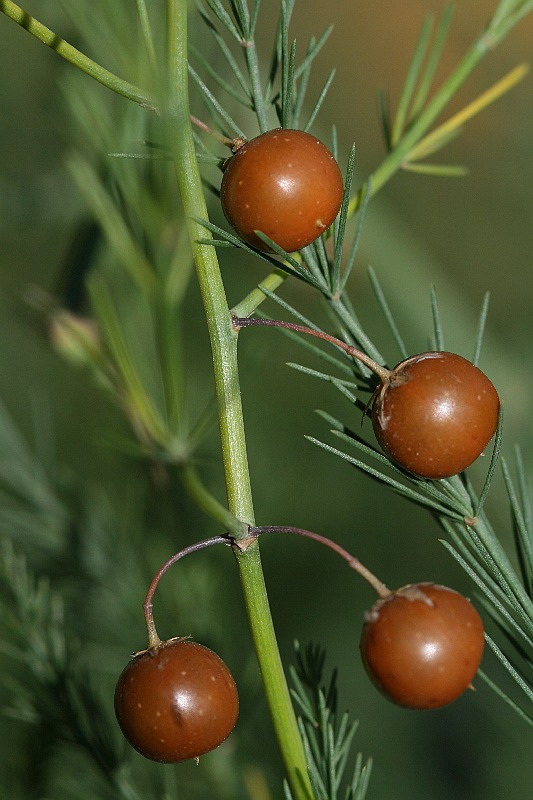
<point>205,500</point>
<point>272,674</point>
<point>224,348</point>
<point>147,35</point>
<point>74,56</point>
<point>223,337</point>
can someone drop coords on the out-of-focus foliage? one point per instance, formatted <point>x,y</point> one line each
<point>94,520</point>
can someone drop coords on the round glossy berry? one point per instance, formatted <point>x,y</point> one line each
<point>436,414</point>
<point>177,701</point>
<point>422,645</point>
<point>284,183</point>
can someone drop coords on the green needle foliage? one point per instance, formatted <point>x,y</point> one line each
<point>505,593</point>
<point>473,541</point>
<point>62,700</point>
<point>327,735</point>
<point>130,329</point>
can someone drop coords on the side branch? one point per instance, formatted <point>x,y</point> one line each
<point>75,57</point>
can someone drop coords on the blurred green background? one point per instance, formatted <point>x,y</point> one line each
<point>464,236</point>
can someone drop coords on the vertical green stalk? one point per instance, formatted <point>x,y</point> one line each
<point>224,349</point>
<point>223,338</point>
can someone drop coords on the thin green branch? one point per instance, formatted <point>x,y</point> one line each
<point>357,237</point>
<point>320,100</point>
<point>508,579</point>
<point>410,80</point>
<point>75,57</point>
<point>505,697</point>
<point>528,691</point>
<point>507,15</point>
<point>387,313</point>
<point>436,170</point>
<point>224,18</point>
<point>340,225</point>
<point>503,11</point>
<point>206,501</point>
<point>215,73</point>
<point>524,493</point>
<point>260,108</point>
<point>147,35</point>
<point>524,542</point>
<point>433,61</point>
<point>314,47</point>
<point>214,106</point>
<point>496,606</point>
<point>380,476</point>
<point>287,80</point>
<point>492,466</point>
<point>224,348</point>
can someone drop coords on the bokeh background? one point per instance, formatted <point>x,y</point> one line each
<point>464,236</point>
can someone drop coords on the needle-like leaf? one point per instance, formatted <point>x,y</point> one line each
<point>387,313</point>
<point>410,80</point>
<point>481,328</point>
<point>433,61</point>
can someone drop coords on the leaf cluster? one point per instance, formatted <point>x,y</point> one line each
<point>505,593</point>
<point>327,736</point>
<point>51,689</point>
<point>282,90</point>
<point>67,628</point>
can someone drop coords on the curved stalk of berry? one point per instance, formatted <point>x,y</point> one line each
<point>247,322</point>
<point>244,545</point>
<point>350,559</point>
<point>224,348</point>
<point>214,134</point>
<point>153,638</point>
